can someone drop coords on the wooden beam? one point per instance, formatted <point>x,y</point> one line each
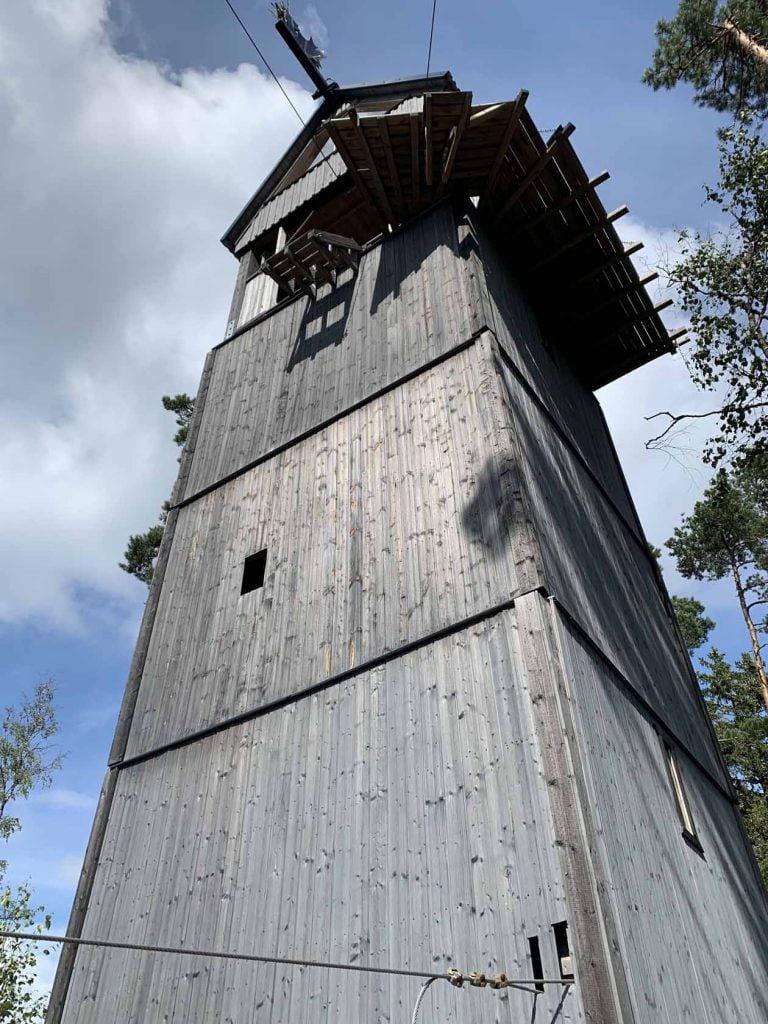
<point>372,168</point>
<point>280,281</point>
<point>558,138</point>
<point>428,138</point>
<point>455,139</point>
<point>679,333</point>
<point>620,293</point>
<point>389,156</point>
<point>338,240</point>
<point>611,261</point>
<point>562,204</point>
<point>582,236</point>
<point>300,270</point>
<point>483,112</point>
<point>633,322</point>
<point>514,117</point>
<point>341,146</point>
<point>415,162</point>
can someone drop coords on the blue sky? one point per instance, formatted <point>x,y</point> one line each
<point>136,132</point>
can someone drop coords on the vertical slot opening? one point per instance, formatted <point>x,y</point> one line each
<point>536,964</point>
<point>563,950</point>
<point>254,570</point>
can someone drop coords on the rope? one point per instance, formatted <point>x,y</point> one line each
<point>422,993</point>
<point>431,33</point>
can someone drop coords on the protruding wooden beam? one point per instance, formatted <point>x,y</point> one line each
<point>389,156</point>
<point>428,138</point>
<point>562,204</point>
<point>514,118</point>
<point>454,139</point>
<point>679,333</point>
<point>341,146</point>
<point>373,170</point>
<point>582,236</point>
<point>559,136</point>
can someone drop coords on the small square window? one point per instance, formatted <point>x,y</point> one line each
<point>254,570</point>
<point>681,800</point>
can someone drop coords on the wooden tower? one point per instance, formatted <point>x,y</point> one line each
<point>408,691</point>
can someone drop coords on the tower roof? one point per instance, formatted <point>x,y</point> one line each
<point>374,156</point>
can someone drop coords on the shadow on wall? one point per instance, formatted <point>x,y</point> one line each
<point>491,517</point>
<point>324,323</point>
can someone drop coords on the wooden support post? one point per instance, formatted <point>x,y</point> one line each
<point>514,118</point>
<point>372,168</point>
<point>559,136</point>
<point>455,139</point>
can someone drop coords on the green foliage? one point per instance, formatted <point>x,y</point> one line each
<point>141,551</point>
<point>25,763</point>
<point>694,625</point>
<point>722,283</point>
<point>734,699</point>
<point>24,750</point>
<point>727,531</point>
<point>18,958</point>
<point>183,406</point>
<point>727,535</point>
<point>716,48</point>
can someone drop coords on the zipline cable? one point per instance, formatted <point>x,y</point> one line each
<point>255,958</point>
<point>279,84</point>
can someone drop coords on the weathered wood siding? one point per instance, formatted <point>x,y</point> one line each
<point>598,568</point>
<point>393,522</point>
<point>292,198</point>
<point>412,300</point>
<point>573,406</point>
<point>400,818</point>
<point>692,928</point>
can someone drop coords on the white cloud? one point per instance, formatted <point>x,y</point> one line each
<point>311,24</point>
<point>117,179</point>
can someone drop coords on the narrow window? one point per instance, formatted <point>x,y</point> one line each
<point>536,964</point>
<point>563,950</point>
<point>253,572</point>
<point>681,800</point>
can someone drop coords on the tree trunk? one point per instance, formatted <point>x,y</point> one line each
<point>745,42</point>
<point>754,636</point>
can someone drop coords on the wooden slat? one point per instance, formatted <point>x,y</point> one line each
<point>428,138</point>
<point>373,170</point>
<point>514,117</point>
<point>343,149</point>
<point>454,142</point>
<point>560,135</point>
<point>386,142</point>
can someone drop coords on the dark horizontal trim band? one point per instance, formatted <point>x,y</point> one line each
<point>330,420</point>
<point>339,677</point>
